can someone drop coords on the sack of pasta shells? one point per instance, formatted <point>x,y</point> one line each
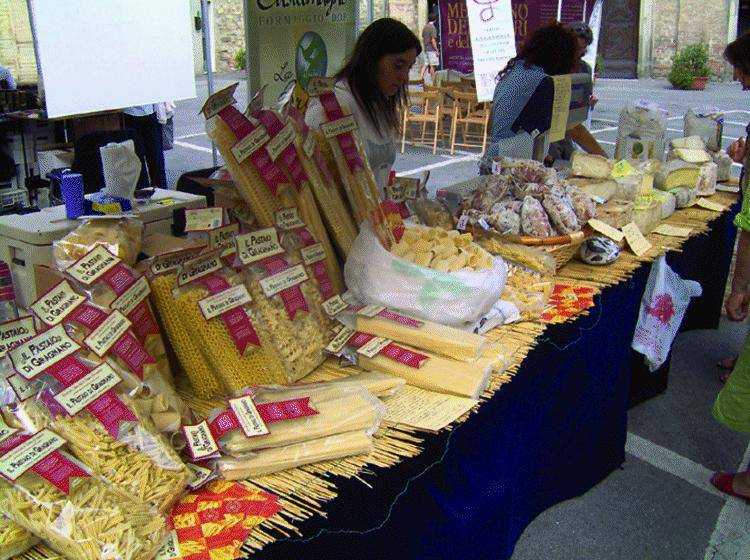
<point>442,276</point>
<point>56,497</point>
<point>121,236</point>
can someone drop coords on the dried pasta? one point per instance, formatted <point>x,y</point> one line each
<point>14,539</point>
<point>121,236</point>
<point>441,250</point>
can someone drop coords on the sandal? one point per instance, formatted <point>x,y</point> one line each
<point>727,363</point>
<point>723,482</point>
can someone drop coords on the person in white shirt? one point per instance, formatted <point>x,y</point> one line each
<point>372,84</point>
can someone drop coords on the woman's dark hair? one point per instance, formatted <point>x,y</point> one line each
<point>737,53</point>
<point>381,37</point>
<point>553,47</point>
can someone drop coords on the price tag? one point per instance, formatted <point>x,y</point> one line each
<point>280,142</point>
<point>334,306</point>
<point>248,416</point>
<point>710,205</point>
<point>607,230</point>
<point>370,310</point>
<point>250,144</point>
<point>339,341</point>
<point>373,348</point>
<point>288,218</point>
<point>203,219</point>
<point>313,254</point>
<point>309,145</point>
<point>200,441</point>
<point>463,221</point>
<point>104,337</point>
<point>635,239</point>
<point>201,475</point>
<point>283,280</point>
<point>673,231</point>
<point>339,126</point>
<point>218,304</point>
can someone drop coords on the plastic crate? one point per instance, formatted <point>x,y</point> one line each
<point>11,198</point>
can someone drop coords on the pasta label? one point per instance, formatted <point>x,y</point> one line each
<point>200,441</point>
<point>281,141</point>
<point>57,304</point>
<point>404,356</point>
<point>132,297</point>
<point>5,430</point>
<point>288,218</point>
<point>258,245</point>
<point>199,267</point>
<point>103,338</point>
<point>313,254</point>
<point>320,84</point>
<point>33,357</point>
<point>250,144</point>
<point>398,318</point>
<point>334,306</point>
<point>222,238</point>
<point>373,347</point>
<point>345,141</point>
<point>203,219</point>
<point>218,304</point>
<point>338,127</point>
<point>27,452</point>
<point>89,388</point>
<point>371,310</point>
<point>15,332</point>
<point>23,389</point>
<point>201,475</point>
<point>284,280</point>
<point>164,264</point>
<point>248,416</point>
<point>410,186</point>
<point>170,550</point>
<point>218,101</point>
<point>340,340</point>
<point>92,266</point>
<point>286,410</point>
<point>309,145</point>
<point>395,191</point>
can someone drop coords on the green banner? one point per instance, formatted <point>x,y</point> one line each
<point>291,41</point>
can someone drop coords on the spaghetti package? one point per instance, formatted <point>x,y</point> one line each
<point>85,402</point>
<point>14,539</point>
<point>49,493</point>
<point>121,237</point>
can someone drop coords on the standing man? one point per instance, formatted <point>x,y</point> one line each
<point>429,40</point>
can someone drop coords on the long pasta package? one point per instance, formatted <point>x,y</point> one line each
<point>107,430</point>
<point>14,539</point>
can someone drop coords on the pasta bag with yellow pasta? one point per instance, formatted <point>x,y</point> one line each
<point>48,492</point>
<point>14,539</point>
<point>86,402</point>
<point>111,284</point>
<point>121,236</point>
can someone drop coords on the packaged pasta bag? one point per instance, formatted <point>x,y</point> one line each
<point>122,236</point>
<point>87,402</point>
<point>108,335</point>
<point>14,539</point>
<point>81,516</point>
<point>287,306</point>
<point>13,387</point>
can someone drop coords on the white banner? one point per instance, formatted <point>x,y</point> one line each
<point>493,41</point>
<point>595,23</point>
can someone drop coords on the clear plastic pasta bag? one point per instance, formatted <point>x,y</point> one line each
<point>121,236</point>
<point>14,539</point>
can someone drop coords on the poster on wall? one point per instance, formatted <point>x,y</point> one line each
<point>288,43</point>
<point>493,41</point>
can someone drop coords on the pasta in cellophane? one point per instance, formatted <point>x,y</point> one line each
<point>53,495</point>
<point>121,236</point>
<point>14,539</point>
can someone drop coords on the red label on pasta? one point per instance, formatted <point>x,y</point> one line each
<point>391,351</point>
<point>286,410</point>
<point>396,318</point>
<point>242,127</point>
<point>132,290</point>
<point>293,298</point>
<point>236,320</point>
<point>346,142</point>
<point>276,128</point>
<point>319,268</point>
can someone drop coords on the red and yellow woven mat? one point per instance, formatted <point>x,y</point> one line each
<point>567,301</point>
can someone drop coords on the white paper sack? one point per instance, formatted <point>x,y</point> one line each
<point>121,167</point>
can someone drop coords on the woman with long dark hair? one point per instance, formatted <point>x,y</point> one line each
<point>373,85</point>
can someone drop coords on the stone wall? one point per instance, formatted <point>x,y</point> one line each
<point>229,27</point>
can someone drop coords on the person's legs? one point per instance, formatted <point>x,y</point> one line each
<point>150,131</point>
<point>432,73</point>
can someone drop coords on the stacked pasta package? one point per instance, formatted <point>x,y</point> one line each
<point>60,496</point>
<point>427,355</point>
<point>273,428</point>
<point>93,371</point>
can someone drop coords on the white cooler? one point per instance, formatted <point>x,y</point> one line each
<point>26,239</point>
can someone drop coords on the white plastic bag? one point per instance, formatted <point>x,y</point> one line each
<point>663,307</point>
<point>376,276</point>
<point>708,123</point>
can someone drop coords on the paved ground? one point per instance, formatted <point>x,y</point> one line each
<point>660,505</point>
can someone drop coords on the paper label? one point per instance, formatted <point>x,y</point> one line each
<point>248,416</point>
<point>170,550</point>
<point>410,187</point>
<point>404,356</point>
<point>218,101</point>
<point>334,306</point>
<point>339,126</point>
<point>463,221</point>
<point>203,219</point>
<point>281,141</point>
<point>57,304</point>
<point>87,389</point>
<point>339,341</point>
<point>313,254</point>
<point>200,441</point>
<point>288,218</point>
<point>5,430</point>
<point>223,239</point>
<point>730,188</point>
<point>635,239</point>
<point>286,410</point>
<point>21,458</point>
<point>309,145</point>
<point>673,231</point>
<point>398,318</point>
<point>623,168</point>
<point>165,201</point>
<point>283,280</point>
<point>34,356</point>
<point>164,264</point>
<point>201,475</point>
<point>101,340</point>
<point>606,229</point>
<point>218,304</point>
<point>89,268</point>
<point>15,332</point>
<point>250,144</point>
<point>131,297</point>
<point>483,223</point>
<point>199,267</point>
<point>395,191</point>
<point>373,347</point>
<point>710,205</point>
<point>23,389</point>
<point>320,84</point>
<point>258,245</point>
<point>371,310</point>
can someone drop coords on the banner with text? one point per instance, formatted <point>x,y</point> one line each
<point>493,41</point>
<point>288,43</point>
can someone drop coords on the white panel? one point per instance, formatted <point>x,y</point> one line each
<point>109,54</point>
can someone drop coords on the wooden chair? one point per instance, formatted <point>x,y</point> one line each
<point>446,102</point>
<point>470,115</point>
<point>422,107</point>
